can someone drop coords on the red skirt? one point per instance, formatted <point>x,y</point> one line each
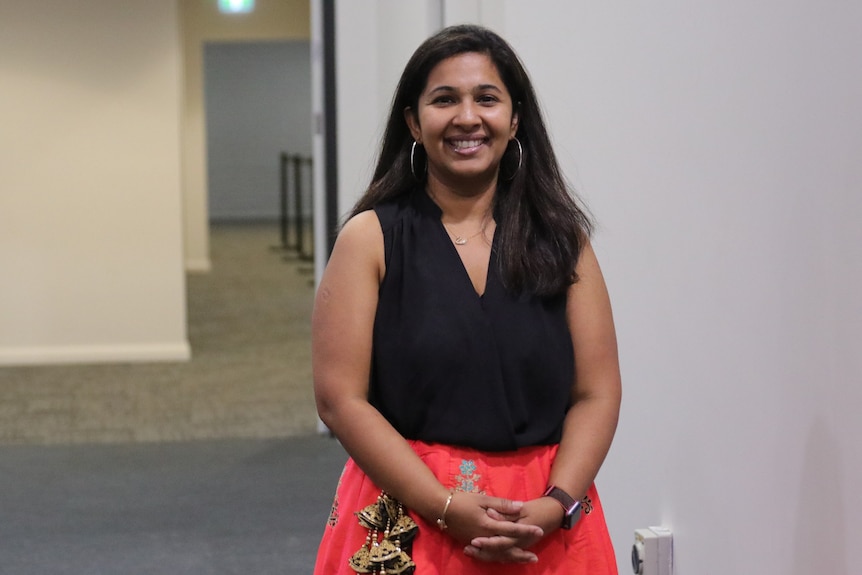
<point>520,475</point>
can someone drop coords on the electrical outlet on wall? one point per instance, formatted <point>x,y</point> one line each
<point>652,552</point>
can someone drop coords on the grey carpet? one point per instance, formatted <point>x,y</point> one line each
<point>214,507</point>
<point>250,374</point>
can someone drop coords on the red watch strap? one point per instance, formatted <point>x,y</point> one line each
<point>567,501</point>
<point>571,507</point>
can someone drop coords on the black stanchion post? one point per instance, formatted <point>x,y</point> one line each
<point>283,199</point>
<point>309,254</point>
<point>297,189</point>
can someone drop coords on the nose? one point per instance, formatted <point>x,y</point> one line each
<point>467,115</point>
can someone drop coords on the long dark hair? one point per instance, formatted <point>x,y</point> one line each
<point>542,227</point>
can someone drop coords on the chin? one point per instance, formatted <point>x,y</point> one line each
<point>473,173</point>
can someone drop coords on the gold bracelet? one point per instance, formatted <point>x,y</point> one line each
<point>441,522</point>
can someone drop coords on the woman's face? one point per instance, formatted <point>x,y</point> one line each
<point>464,119</point>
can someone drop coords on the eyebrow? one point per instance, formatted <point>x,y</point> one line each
<point>480,88</point>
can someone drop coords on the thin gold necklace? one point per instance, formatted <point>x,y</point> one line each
<point>456,239</point>
<point>461,240</point>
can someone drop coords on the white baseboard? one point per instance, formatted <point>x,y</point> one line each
<point>198,265</point>
<point>78,354</point>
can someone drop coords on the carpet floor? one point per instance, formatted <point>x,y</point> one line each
<point>206,507</point>
<point>249,376</point>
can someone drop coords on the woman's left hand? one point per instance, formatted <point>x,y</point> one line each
<point>544,512</point>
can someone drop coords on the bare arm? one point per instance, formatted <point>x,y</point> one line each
<point>592,418</point>
<point>342,325</point>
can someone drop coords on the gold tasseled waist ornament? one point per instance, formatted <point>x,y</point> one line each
<point>388,555</point>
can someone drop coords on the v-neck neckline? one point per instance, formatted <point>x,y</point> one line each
<point>437,213</point>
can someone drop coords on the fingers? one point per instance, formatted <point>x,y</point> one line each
<point>508,554</point>
<point>497,516</point>
<point>501,509</point>
<point>493,528</point>
<point>506,514</point>
<point>505,506</point>
<point>499,543</point>
<point>521,532</point>
<point>494,543</point>
<point>508,538</point>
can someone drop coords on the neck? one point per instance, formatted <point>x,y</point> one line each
<point>460,204</point>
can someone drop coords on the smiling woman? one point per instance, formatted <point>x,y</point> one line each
<point>465,119</point>
<point>445,332</point>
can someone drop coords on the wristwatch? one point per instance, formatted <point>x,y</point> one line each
<point>571,507</point>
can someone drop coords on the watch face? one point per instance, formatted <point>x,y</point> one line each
<point>573,515</point>
<point>571,507</point>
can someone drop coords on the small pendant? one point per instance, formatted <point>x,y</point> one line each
<point>459,241</point>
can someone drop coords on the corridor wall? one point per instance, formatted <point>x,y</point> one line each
<point>91,265</point>
<point>718,145</point>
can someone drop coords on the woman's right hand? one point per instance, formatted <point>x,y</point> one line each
<point>468,518</point>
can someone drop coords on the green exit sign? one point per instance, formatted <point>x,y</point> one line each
<point>235,6</point>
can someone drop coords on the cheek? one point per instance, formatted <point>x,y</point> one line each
<point>430,126</point>
<point>503,120</point>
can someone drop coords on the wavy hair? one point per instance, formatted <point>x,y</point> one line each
<point>542,228</point>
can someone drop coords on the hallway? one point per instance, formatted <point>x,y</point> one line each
<point>249,376</point>
<point>211,467</point>
<point>218,507</point>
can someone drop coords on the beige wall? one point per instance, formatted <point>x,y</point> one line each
<point>98,214</point>
<point>91,265</point>
<point>201,23</point>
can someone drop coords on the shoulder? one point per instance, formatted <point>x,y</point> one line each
<point>588,263</point>
<point>362,223</point>
<point>358,249</point>
<point>588,301</point>
<point>590,280</point>
<point>361,232</point>
<point>368,228</point>
<point>390,212</point>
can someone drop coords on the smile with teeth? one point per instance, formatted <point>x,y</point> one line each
<point>466,144</point>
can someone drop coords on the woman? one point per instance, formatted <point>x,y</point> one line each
<point>463,345</point>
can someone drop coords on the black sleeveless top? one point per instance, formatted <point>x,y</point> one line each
<point>491,372</point>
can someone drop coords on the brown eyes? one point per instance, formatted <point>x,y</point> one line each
<point>483,100</point>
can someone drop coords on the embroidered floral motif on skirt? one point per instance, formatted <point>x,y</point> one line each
<point>468,479</point>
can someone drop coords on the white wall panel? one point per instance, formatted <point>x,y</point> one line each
<point>718,145</point>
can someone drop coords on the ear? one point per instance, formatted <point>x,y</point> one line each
<point>514,126</point>
<point>413,123</point>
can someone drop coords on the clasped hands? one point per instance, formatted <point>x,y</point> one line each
<point>501,530</point>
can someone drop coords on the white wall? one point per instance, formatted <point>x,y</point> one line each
<point>90,237</point>
<point>374,40</point>
<point>718,144</point>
